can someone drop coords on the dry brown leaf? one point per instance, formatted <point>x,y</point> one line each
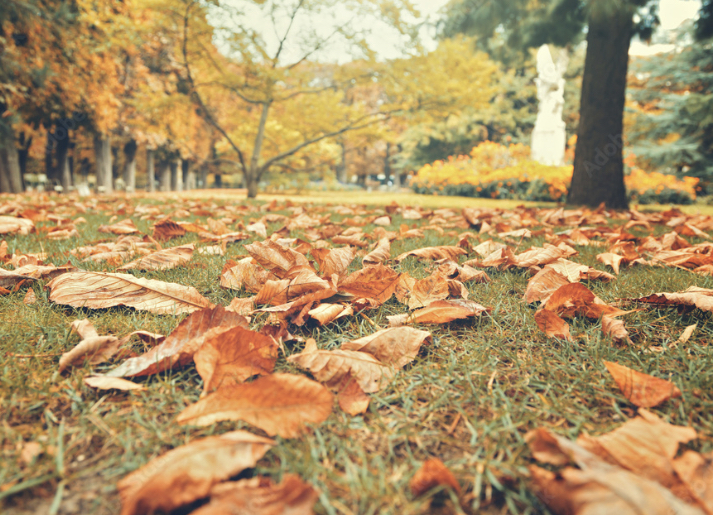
<point>167,229</point>
<point>433,473</point>
<point>187,473</point>
<point>30,297</point>
<point>439,312</point>
<point>576,299</point>
<point>98,290</point>
<point>428,290</point>
<point>465,273</point>
<point>351,397</point>
<point>615,328</point>
<point>434,253</point>
<point>380,254</point>
<point>685,335</point>
<point>538,256</point>
<point>488,247</point>
<point>111,383</point>
<point>552,325</point>
<point>575,272</point>
<point>275,258</point>
<point>258,228</point>
<point>611,259</point>
<point>302,286</point>
<point>261,496</point>
<point>12,225</point>
<point>327,313</point>
<point>543,284</point>
<point>163,259</point>
<point>178,348</point>
<point>279,404</point>
<point>701,298</point>
<point>376,282</point>
<point>332,366</point>
<point>243,274</point>
<point>333,261</point>
<point>641,389</point>
<point>242,306</point>
<point>395,346</point>
<point>124,227</point>
<point>232,356</point>
<point>94,350</point>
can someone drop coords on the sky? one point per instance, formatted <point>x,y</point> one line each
<point>388,43</point>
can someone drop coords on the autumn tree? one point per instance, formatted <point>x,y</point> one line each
<point>610,24</point>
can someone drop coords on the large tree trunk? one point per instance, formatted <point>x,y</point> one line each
<point>252,182</point>
<point>62,153</point>
<point>342,166</point>
<point>23,153</point>
<point>204,177</point>
<point>102,153</point>
<point>176,175</point>
<point>598,165</point>
<point>218,183</point>
<point>150,173</point>
<point>164,176</point>
<point>10,176</point>
<point>130,166</point>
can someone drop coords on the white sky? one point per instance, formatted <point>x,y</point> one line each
<point>387,42</point>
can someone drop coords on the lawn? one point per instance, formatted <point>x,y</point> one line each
<point>469,397</point>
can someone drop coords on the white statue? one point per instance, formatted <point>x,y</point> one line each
<point>548,137</point>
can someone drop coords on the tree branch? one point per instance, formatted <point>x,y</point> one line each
<point>287,32</point>
<point>197,96</point>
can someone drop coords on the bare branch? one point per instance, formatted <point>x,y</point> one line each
<point>287,32</point>
<point>195,93</point>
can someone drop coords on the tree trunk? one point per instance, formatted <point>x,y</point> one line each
<point>49,162</point>
<point>176,175</point>
<point>252,181</point>
<point>10,176</point>
<point>218,181</point>
<point>598,164</point>
<point>130,166</point>
<point>342,166</point>
<point>164,176</point>
<point>24,151</point>
<point>102,153</point>
<point>186,173</point>
<point>387,163</point>
<point>204,177</point>
<point>150,174</point>
<point>62,153</point>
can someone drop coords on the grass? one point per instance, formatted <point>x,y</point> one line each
<point>468,399</point>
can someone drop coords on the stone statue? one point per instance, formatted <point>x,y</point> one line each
<point>548,137</point>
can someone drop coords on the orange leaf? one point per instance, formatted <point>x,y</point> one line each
<point>433,473</point>
<point>641,389</point>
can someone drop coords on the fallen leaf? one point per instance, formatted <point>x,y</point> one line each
<point>124,227</point>
<point>180,346</point>
<point>243,274</point>
<point>261,496</point>
<point>333,261</point>
<point>351,397</point>
<point>543,284</point>
<point>12,225</point>
<point>685,335</point>
<point>433,473</point>
<point>163,259</point>
<point>376,282</point>
<point>275,258</point>
<point>187,473</point>
<point>381,253</point>
<point>279,404</point>
<point>552,325</point>
<point>641,389</point>
<point>111,383</point>
<point>434,253</point>
<point>701,298</point>
<point>428,290</point>
<point>167,229</point>
<point>30,297</point>
<point>332,366</point>
<point>98,290</point>
<point>465,273</point>
<point>327,313</point>
<point>615,328</point>
<point>395,346</point>
<point>439,312</point>
<point>576,299</point>
<point>232,356</point>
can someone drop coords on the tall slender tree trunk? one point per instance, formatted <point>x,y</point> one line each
<point>23,153</point>
<point>150,173</point>
<point>62,154</point>
<point>387,162</point>
<point>252,175</point>
<point>49,154</point>
<point>342,165</point>
<point>218,180</point>
<point>176,176</point>
<point>104,171</point>
<point>164,176</point>
<point>186,174</point>
<point>598,164</point>
<point>130,166</point>
<point>204,177</point>
<point>10,176</point>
